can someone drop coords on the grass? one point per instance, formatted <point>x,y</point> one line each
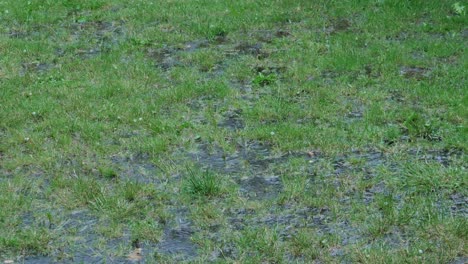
<point>327,131</point>
<point>202,183</point>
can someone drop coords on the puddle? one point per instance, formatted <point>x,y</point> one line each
<point>164,58</point>
<point>460,260</point>
<point>267,70</point>
<point>233,120</point>
<point>35,67</point>
<point>38,260</point>
<point>357,161</point>
<point>412,72</point>
<point>102,36</point>
<point>255,50</point>
<point>460,204</point>
<point>442,156</point>
<point>268,36</point>
<point>177,240</point>
<point>340,25</point>
<point>356,110</point>
<point>261,187</point>
<point>396,96</point>
<point>215,158</point>
<point>88,53</point>
<point>369,193</point>
<point>398,37</point>
<point>196,45</point>
<point>87,247</point>
<point>328,76</point>
<point>251,157</point>
<point>136,168</point>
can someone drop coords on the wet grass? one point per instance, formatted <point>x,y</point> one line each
<point>243,132</point>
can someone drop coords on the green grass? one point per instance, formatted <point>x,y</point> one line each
<point>241,132</point>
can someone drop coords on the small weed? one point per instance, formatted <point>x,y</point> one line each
<point>216,32</point>
<point>417,126</point>
<point>458,8</point>
<point>264,79</point>
<point>130,191</point>
<point>392,135</point>
<point>107,172</point>
<point>202,183</point>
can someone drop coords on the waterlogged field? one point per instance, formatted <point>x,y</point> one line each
<point>233,131</point>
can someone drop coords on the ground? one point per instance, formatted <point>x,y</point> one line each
<point>233,131</point>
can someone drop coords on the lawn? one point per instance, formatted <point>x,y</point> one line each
<point>269,131</point>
